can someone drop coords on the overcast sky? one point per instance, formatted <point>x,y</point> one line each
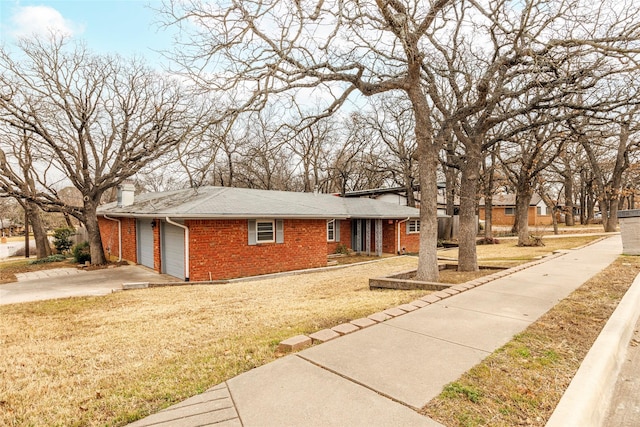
<point>126,27</point>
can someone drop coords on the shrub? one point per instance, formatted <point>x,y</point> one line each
<point>50,258</point>
<point>488,241</point>
<point>62,239</point>
<point>342,249</point>
<point>22,251</point>
<point>81,253</point>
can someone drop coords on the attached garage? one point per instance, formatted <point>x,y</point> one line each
<point>145,242</point>
<point>172,241</point>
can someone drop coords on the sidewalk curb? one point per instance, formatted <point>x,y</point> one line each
<point>586,400</point>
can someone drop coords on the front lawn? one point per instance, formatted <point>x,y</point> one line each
<point>110,360</point>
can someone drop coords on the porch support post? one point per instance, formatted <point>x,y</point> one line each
<point>368,237</point>
<point>378,237</point>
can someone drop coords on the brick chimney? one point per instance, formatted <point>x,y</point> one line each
<point>126,192</point>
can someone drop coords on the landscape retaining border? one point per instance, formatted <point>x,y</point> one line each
<point>404,280</point>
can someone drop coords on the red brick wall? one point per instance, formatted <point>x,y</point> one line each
<point>389,236</point>
<point>409,242</point>
<point>157,257</point>
<point>345,237</point>
<point>498,217</point>
<point>220,247</point>
<point>109,234</point>
<point>129,250</point>
<point>543,220</point>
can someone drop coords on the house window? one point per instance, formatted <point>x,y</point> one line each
<point>265,232</point>
<point>510,211</point>
<point>413,226</point>
<point>331,230</point>
<point>539,210</point>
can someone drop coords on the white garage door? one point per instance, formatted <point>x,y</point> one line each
<point>172,250</point>
<point>145,242</point>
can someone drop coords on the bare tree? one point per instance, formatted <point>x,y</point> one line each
<point>19,144</point>
<point>610,144</point>
<point>529,155</point>
<point>521,62</point>
<point>99,120</point>
<point>545,189</point>
<point>310,150</point>
<point>286,47</point>
<point>517,58</point>
<point>392,121</point>
<point>263,163</point>
<point>352,162</point>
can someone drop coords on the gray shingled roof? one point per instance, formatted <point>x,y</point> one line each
<point>228,202</point>
<point>498,200</point>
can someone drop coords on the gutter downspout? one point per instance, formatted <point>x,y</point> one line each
<point>400,222</point>
<point>119,235</point>
<point>186,247</point>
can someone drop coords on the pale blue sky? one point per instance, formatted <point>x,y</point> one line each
<point>126,27</point>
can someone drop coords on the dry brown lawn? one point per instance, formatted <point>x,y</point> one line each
<point>508,254</point>
<point>521,383</point>
<point>111,360</point>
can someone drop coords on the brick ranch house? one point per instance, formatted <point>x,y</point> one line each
<point>213,233</point>
<point>503,210</point>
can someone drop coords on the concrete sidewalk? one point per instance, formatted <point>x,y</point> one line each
<point>381,375</point>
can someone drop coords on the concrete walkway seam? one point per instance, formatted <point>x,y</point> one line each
<point>354,381</point>
<point>586,400</point>
<point>443,295</point>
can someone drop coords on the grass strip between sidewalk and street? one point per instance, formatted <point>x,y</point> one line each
<point>521,383</point>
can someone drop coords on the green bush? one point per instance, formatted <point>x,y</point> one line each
<point>81,253</point>
<point>62,239</point>
<point>50,258</point>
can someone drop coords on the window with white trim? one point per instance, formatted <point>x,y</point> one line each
<point>510,211</point>
<point>331,230</point>
<point>265,231</point>
<point>413,226</point>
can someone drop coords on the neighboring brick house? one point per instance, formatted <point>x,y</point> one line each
<point>503,210</point>
<point>213,233</point>
<point>10,228</point>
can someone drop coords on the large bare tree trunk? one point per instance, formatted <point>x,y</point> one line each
<point>428,163</point>
<point>523,199</point>
<point>411,199</point>
<point>568,201</point>
<point>93,232</point>
<point>43,249</point>
<point>489,175</point>
<point>428,255</point>
<point>467,257</point>
<point>450,197</point>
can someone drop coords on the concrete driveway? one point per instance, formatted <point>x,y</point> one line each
<point>71,282</point>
